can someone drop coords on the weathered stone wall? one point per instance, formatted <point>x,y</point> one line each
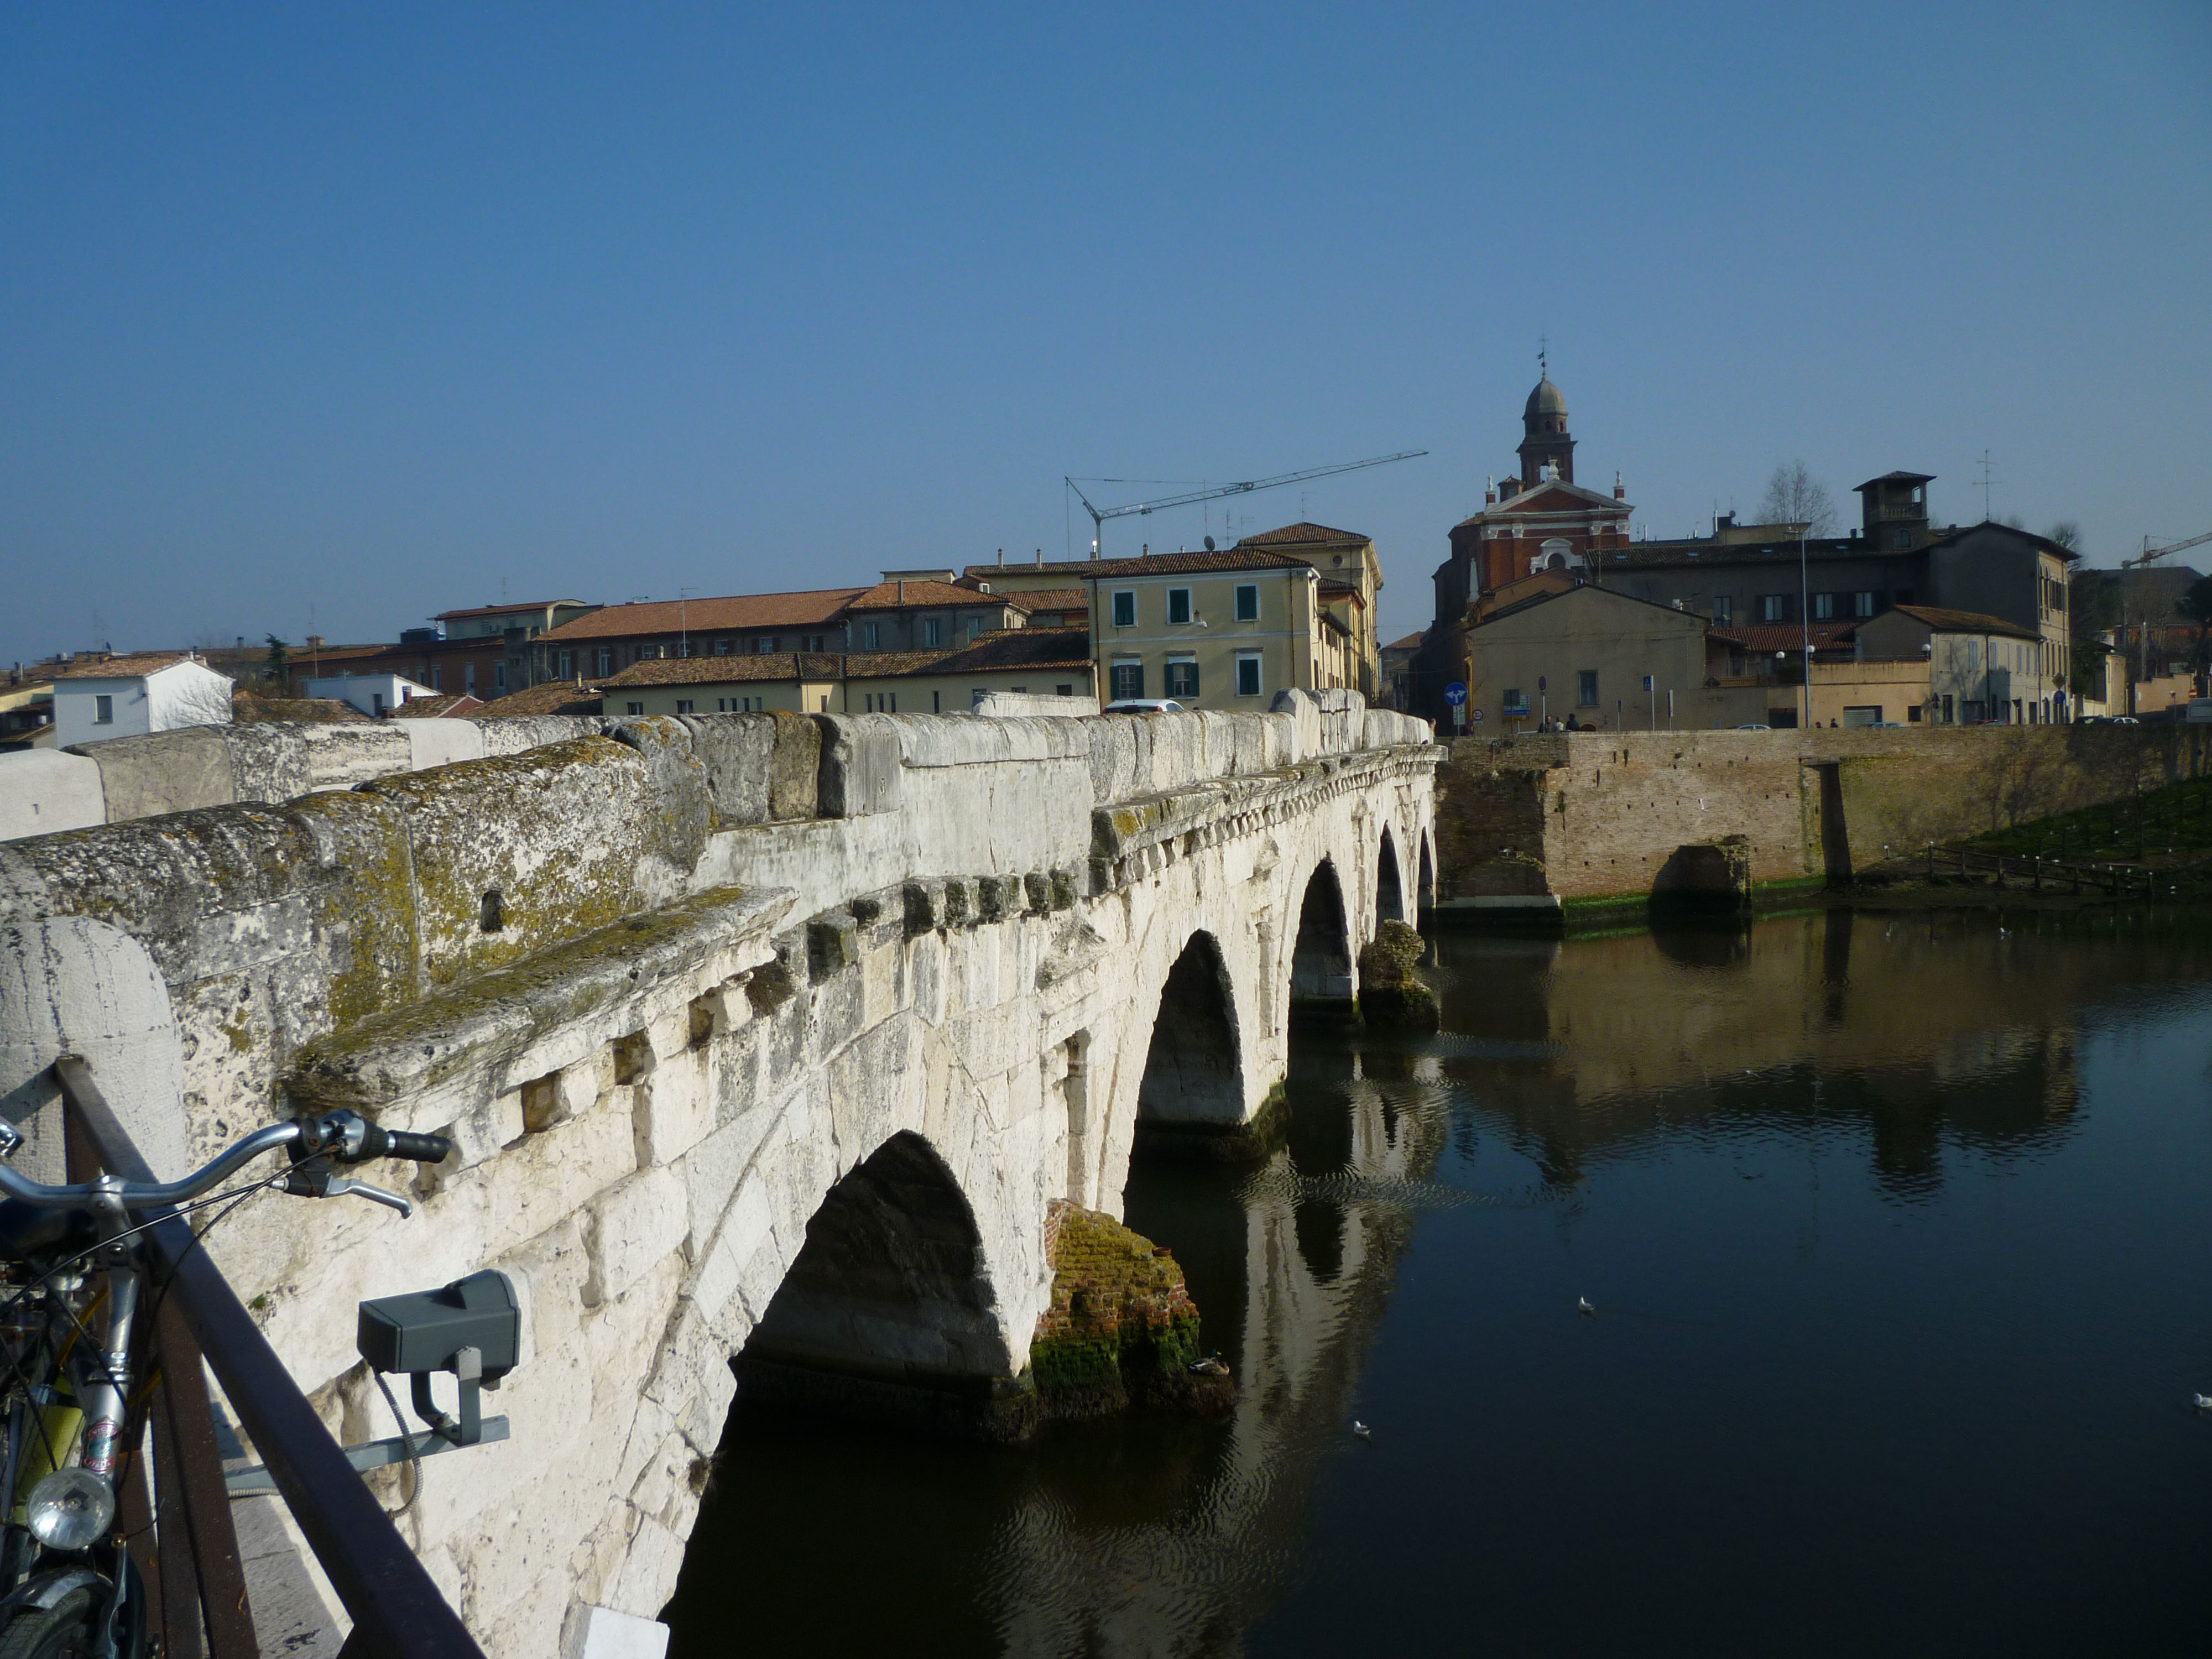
<point>1600,816</point>
<point>667,983</point>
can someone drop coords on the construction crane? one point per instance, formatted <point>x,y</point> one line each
<point>1100,515</point>
<point>2135,668</point>
<point>2150,552</point>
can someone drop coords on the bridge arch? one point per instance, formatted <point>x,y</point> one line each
<point>1389,883</point>
<point>887,1310</point>
<point>1426,891</point>
<point>1194,1061</point>
<point>1322,977</point>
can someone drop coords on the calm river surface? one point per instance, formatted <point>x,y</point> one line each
<point>1899,1233</point>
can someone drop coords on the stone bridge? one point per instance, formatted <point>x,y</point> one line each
<point>760,1038</point>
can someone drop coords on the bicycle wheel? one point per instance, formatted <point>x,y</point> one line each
<point>61,1631</point>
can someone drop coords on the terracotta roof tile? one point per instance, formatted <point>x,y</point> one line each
<point>249,708</point>
<point>1944,620</point>
<point>1048,599</point>
<point>1784,636</point>
<point>451,705</point>
<point>730,670</point>
<point>920,591</point>
<point>1021,647</point>
<point>503,610</point>
<point>1224,558</point>
<point>555,697</point>
<point>734,613</point>
<point>128,666</point>
<point>1302,533</point>
<point>1179,564</point>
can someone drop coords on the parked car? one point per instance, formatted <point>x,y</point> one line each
<point>1143,706</point>
<point>1753,725</point>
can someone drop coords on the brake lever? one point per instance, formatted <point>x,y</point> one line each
<point>345,1186</point>
<point>313,1179</point>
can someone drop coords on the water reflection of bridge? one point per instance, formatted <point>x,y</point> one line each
<point>1919,1031</point>
<point>1293,1272</point>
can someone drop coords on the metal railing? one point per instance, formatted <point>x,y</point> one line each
<point>190,1555</point>
<point>2034,873</point>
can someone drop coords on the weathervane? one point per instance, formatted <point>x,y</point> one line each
<point>1543,362</point>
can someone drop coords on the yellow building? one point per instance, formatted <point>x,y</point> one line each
<point>1348,583</point>
<point>1217,630</point>
<point>1351,588</point>
<point>1049,662</point>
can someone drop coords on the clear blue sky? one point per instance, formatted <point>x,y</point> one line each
<point>342,315</point>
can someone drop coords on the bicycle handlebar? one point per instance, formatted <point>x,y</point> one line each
<point>344,1136</point>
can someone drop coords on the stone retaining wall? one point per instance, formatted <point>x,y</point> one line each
<point>1598,817</point>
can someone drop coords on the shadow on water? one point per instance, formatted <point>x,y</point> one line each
<point>1826,1178</point>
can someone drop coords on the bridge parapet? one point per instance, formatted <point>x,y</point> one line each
<point>671,984</point>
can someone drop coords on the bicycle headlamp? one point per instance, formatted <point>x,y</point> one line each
<point>70,1509</point>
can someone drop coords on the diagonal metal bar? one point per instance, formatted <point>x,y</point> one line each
<point>178,1594</point>
<point>398,1611</point>
<point>205,1501</point>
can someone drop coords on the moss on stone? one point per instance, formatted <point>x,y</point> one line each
<point>1121,1329</point>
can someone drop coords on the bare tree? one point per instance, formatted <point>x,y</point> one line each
<point>1794,495</point>
<point>2066,533</point>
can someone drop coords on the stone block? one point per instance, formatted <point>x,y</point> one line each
<point>1305,731</point>
<point>268,761</point>
<point>515,734</point>
<point>341,756</point>
<point>1113,757</point>
<point>485,1132</point>
<point>553,1266</point>
<point>596,1633</point>
<point>794,768</point>
<point>629,1230</point>
<point>441,742</point>
<point>551,1176</point>
<point>44,791</point>
<point>860,773</point>
<point>736,751</point>
<point>172,772</point>
<point>559,834</point>
<point>673,1112</point>
<point>682,805</point>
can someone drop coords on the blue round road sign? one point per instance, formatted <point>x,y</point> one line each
<point>1455,693</point>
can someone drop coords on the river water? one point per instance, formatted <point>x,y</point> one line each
<point>1899,1231</point>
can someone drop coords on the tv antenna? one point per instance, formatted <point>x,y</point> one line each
<point>1191,498</point>
<point>1987,472</point>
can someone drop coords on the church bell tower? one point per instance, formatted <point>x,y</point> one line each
<point>1544,427</point>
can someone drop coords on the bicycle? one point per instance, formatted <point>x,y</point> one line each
<point>74,1405</point>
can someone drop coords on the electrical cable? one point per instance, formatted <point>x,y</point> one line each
<point>406,1439</point>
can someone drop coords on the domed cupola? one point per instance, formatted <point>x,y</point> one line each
<point>1544,422</point>
<point>1546,409</point>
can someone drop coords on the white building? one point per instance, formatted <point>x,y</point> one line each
<point>128,696</point>
<point>374,695</point>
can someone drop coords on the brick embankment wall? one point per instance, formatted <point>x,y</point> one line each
<point>1601,817</point>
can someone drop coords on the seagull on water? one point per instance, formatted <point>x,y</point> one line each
<point>1582,1305</point>
<point>2204,1402</point>
<point>1362,1430</point>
